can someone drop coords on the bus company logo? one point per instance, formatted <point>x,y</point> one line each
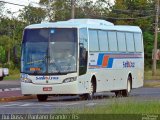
<point>128,64</point>
<point>46,78</point>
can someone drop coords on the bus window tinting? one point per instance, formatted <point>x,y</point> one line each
<point>121,41</point>
<point>112,41</point>
<point>83,51</point>
<point>44,49</point>
<point>130,42</point>
<point>138,41</point>
<point>103,40</point>
<point>93,38</point>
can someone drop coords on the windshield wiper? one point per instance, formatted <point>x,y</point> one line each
<point>36,61</point>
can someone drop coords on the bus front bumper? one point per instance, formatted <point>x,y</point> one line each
<point>64,88</point>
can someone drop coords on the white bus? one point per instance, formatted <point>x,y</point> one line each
<point>81,57</point>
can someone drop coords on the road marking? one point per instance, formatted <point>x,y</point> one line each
<point>9,89</point>
<point>70,104</point>
<point>33,105</point>
<point>10,105</point>
<point>27,104</point>
<point>91,104</point>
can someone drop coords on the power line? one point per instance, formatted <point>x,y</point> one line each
<point>31,3</point>
<point>12,3</point>
<point>145,17</point>
<point>136,12</point>
<point>132,10</point>
<point>120,10</point>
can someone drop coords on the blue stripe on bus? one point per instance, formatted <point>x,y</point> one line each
<point>112,57</point>
<point>100,59</point>
<point>110,63</point>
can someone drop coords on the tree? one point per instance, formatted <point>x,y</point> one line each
<point>133,12</point>
<point>139,13</point>
<point>8,44</point>
<point>32,15</point>
<point>2,55</point>
<point>58,10</point>
<point>61,9</point>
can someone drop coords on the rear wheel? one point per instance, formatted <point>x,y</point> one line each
<point>118,93</point>
<point>125,93</point>
<point>42,98</point>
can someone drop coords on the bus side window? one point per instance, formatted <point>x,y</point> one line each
<point>94,42</point>
<point>130,42</point>
<point>103,40</point>
<point>121,41</point>
<point>138,42</point>
<point>83,51</point>
<point>112,41</point>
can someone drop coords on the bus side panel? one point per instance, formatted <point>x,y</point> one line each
<point>138,78</point>
<point>83,83</point>
<point>124,67</point>
<point>112,73</point>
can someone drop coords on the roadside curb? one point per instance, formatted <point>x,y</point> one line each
<point>15,98</point>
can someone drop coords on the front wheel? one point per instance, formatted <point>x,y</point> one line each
<point>90,95</point>
<point>125,93</point>
<point>42,98</point>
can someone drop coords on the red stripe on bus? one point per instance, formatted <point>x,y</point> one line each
<point>105,61</point>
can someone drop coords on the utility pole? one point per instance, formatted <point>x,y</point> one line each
<point>155,39</point>
<point>49,9</point>
<point>72,9</point>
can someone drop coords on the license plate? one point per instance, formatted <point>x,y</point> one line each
<point>47,88</point>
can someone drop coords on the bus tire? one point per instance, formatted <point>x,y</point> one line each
<point>125,93</point>
<point>90,95</point>
<point>1,78</point>
<point>118,93</point>
<point>42,98</point>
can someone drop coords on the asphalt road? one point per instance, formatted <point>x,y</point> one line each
<point>9,84</point>
<point>68,103</point>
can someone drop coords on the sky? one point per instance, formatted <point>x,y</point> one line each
<point>15,9</point>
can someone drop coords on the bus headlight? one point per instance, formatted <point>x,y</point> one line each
<point>71,79</point>
<point>26,80</point>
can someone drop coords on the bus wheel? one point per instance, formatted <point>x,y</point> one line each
<point>118,93</point>
<point>125,93</point>
<point>91,91</point>
<point>42,98</point>
<point>90,95</point>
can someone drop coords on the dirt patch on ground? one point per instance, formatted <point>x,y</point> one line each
<point>151,83</point>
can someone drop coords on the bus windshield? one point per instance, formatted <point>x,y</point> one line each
<point>49,51</point>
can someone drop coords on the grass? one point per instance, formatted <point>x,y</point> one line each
<point>152,84</point>
<point>128,107</point>
<point>118,110</point>
<point>148,75</point>
<point>13,75</point>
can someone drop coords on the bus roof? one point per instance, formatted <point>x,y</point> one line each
<point>89,23</point>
